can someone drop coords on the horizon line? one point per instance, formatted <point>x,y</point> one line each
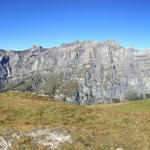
<point>58,45</point>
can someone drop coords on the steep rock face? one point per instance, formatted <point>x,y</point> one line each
<point>81,72</point>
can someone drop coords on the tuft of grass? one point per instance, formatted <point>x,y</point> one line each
<point>97,127</point>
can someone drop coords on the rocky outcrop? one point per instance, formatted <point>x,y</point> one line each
<point>50,138</point>
<point>81,72</point>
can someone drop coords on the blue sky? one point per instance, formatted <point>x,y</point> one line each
<point>52,22</point>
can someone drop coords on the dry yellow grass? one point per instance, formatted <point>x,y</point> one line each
<point>98,127</point>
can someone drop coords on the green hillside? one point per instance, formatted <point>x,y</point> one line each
<point>98,127</point>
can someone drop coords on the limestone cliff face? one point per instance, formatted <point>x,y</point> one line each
<point>81,72</point>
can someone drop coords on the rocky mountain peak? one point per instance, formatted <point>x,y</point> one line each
<point>34,47</point>
<point>112,43</point>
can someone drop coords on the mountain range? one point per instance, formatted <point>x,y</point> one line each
<point>85,73</point>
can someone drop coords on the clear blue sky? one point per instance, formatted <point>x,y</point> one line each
<point>52,22</point>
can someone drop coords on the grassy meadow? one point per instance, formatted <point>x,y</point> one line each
<point>97,127</point>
